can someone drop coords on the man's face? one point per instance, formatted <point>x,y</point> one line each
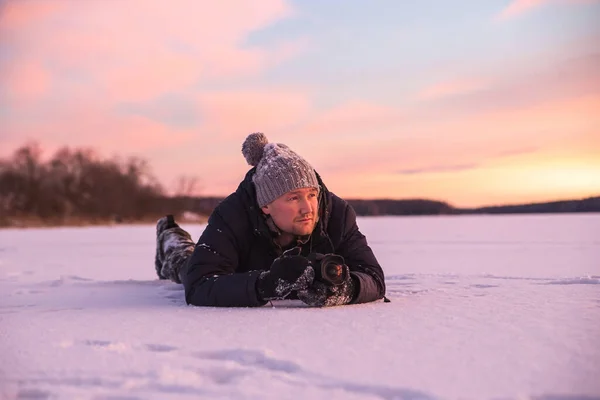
<point>295,212</point>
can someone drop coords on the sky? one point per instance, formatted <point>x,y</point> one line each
<point>470,102</point>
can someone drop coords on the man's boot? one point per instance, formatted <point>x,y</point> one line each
<point>173,247</point>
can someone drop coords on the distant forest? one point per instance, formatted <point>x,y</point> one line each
<point>77,187</point>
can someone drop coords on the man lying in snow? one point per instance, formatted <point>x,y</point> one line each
<point>265,241</point>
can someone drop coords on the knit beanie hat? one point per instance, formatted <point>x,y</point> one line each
<point>278,168</point>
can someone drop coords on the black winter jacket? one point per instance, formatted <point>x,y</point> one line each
<point>237,245</point>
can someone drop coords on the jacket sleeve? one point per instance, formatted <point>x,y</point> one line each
<point>210,278</point>
<point>363,265</point>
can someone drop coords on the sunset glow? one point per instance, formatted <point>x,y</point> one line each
<point>474,104</point>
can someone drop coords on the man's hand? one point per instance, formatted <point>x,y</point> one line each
<point>321,295</point>
<point>288,273</point>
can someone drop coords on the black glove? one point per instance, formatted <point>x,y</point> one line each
<point>288,273</point>
<point>320,294</point>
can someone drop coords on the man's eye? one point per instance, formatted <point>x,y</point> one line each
<point>293,198</point>
<point>313,195</point>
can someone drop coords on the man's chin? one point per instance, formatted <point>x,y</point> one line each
<point>305,230</point>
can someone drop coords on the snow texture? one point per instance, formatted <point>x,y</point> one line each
<point>482,307</point>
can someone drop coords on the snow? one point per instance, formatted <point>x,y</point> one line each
<point>482,307</point>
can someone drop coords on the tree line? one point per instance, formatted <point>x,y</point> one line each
<point>77,186</point>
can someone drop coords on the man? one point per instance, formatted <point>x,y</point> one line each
<point>265,241</point>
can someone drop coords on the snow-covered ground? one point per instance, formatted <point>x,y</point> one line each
<point>483,307</point>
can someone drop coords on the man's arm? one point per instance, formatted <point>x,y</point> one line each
<point>210,278</point>
<point>364,268</point>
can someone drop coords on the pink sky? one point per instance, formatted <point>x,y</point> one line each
<point>183,86</point>
<point>520,7</point>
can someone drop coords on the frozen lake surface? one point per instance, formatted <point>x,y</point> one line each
<point>482,307</point>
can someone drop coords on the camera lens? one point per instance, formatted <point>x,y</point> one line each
<point>334,271</point>
<point>330,269</point>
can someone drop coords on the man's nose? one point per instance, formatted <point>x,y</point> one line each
<point>306,206</point>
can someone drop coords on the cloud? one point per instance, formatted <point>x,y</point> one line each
<point>438,169</point>
<point>519,7</point>
<point>92,124</point>
<point>518,151</point>
<point>140,49</point>
<point>567,79</point>
<point>235,112</point>
<point>423,140</point>
<point>16,15</point>
<point>353,116</point>
<point>481,160</point>
<point>470,123</point>
<point>451,88</point>
<point>94,72</point>
<point>24,83</point>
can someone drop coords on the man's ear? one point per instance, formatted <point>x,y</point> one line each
<point>266,210</point>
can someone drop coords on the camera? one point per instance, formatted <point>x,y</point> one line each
<point>329,268</point>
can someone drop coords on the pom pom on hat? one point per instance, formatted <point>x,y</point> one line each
<point>278,168</point>
<point>253,148</point>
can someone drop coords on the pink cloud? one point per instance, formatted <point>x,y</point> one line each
<point>105,53</point>
<point>519,7</point>
<point>141,49</point>
<point>16,15</point>
<point>89,56</point>
<point>558,81</point>
<point>234,113</point>
<point>353,117</point>
<point>25,82</point>
<point>370,139</point>
<point>91,124</point>
<point>451,88</point>
<point>435,145</point>
<point>285,116</point>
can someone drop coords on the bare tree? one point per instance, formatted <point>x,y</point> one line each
<point>77,184</point>
<point>186,186</point>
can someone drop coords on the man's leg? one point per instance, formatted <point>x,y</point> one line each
<point>173,247</point>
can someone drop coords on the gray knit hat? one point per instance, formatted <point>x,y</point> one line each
<point>278,168</point>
